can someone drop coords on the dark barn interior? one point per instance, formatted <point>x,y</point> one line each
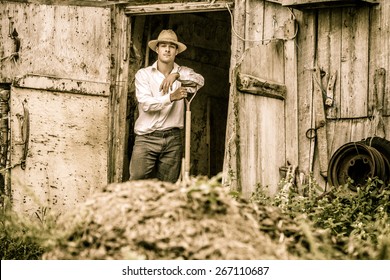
<point>207,36</point>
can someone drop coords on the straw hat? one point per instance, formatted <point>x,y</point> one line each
<point>167,36</point>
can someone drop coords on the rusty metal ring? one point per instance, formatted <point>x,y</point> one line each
<point>311,133</point>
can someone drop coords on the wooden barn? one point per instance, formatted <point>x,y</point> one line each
<point>288,83</point>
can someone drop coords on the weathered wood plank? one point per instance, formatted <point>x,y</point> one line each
<point>320,123</point>
<point>328,55</point>
<point>63,41</point>
<point>340,134</point>
<point>374,53</point>
<point>62,85</point>
<point>317,4</point>
<point>231,168</point>
<point>306,57</point>
<point>254,24</point>
<point>384,48</point>
<point>272,142</point>
<point>378,52</point>
<point>171,8</point>
<point>119,93</point>
<point>85,3</point>
<point>249,137</point>
<point>140,24</point>
<point>354,63</point>
<point>67,151</point>
<point>262,137</point>
<point>275,18</point>
<point>291,103</point>
<point>252,166</point>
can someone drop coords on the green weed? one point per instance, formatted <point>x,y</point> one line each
<point>357,222</point>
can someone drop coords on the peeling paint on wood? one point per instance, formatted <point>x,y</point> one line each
<point>261,126</point>
<point>67,151</point>
<point>63,78</point>
<point>63,41</point>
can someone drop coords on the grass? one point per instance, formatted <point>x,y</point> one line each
<point>338,224</point>
<point>22,238</point>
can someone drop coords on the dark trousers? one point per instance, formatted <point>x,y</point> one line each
<point>157,155</point>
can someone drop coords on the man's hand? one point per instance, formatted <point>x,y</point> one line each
<point>178,94</point>
<point>166,85</point>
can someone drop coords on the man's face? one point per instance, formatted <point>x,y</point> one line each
<point>166,52</point>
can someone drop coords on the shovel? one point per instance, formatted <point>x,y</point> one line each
<point>187,151</point>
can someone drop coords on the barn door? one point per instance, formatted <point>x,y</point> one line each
<point>59,107</point>
<point>261,93</point>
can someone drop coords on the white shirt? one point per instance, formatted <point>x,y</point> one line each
<point>156,111</point>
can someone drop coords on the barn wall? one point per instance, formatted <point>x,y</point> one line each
<point>62,76</point>
<point>62,41</point>
<point>257,135</point>
<point>67,151</point>
<point>351,43</point>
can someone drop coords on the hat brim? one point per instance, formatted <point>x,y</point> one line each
<point>180,46</point>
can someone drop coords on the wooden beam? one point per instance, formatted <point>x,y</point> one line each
<point>258,86</point>
<point>292,102</point>
<point>121,30</point>
<point>317,4</point>
<point>275,1</point>
<point>87,3</point>
<point>63,85</point>
<point>171,8</point>
<point>320,123</point>
<point>231,164</point>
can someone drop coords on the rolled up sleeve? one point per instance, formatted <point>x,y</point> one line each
<point>189,74</point>
<point>149,98</point>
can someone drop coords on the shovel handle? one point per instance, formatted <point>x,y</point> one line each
<point>187,142</point>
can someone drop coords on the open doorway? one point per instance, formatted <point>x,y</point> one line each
<point>208,39</point>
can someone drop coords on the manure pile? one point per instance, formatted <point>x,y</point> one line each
<point>157,220</point>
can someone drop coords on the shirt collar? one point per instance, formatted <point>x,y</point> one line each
<point>174,70</point>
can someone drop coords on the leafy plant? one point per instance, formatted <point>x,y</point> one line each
<point>358,222</point>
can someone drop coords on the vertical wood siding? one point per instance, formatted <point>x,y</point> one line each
<point>354,62</point>
<point>67,155</point>
<point>65,59</point>
<point>261,119</point>
<point>351,42</point>
<point>64,41</point>
<point>379,52</point>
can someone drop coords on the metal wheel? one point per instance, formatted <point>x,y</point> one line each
<point>358,162</point>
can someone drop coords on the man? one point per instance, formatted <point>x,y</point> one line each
<point>157,151</point>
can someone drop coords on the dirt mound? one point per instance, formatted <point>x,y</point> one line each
<point>156,220</point>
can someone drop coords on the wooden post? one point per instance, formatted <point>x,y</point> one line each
<point>320,123</point>
<point>379,95</point>
<point>118,95</point>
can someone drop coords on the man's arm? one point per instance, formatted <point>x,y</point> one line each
<point>188,74</point>
<point>147,101</point>
<point>183,74</point>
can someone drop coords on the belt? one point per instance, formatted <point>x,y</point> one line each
<point>164,133</point>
